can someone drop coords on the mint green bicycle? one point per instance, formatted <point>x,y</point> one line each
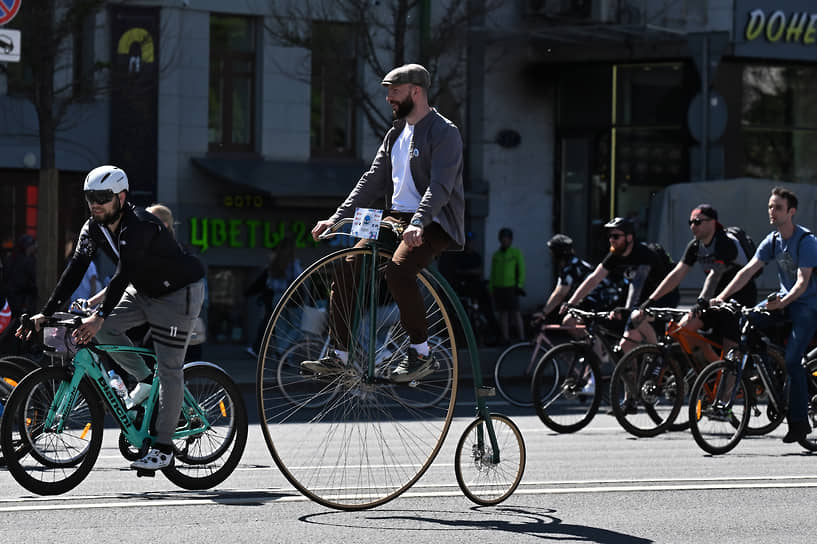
<point>362,438</point>
<point>51,432</point>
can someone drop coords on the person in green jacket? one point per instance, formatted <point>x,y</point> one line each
<point>506,284</point>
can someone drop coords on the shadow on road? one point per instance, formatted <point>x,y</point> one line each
<point>536,522</point>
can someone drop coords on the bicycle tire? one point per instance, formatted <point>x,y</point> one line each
<point>480,478</point>
<point>206,459</point>
<point>765,418</point>
<point>511,376</point>
<point>366,446</point>
<point>51,461</point>
<point>558,383</point>
<point>23,361</point>
<point>810,441</point>
<point>717,429</point>
<point>297,388</point>
<point>646,391</point>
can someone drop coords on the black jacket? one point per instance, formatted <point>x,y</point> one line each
<point>145,253</point>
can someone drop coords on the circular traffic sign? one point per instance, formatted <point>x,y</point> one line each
<point>8,9</point>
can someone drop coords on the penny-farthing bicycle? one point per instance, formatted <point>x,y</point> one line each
<point>362,439</point>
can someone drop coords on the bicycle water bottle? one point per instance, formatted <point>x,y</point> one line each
<point>117,384</point>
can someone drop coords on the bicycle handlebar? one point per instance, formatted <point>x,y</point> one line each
<point>666,313</point>
<point>396,228</point>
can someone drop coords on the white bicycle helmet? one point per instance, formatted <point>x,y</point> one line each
<point>106,178</point>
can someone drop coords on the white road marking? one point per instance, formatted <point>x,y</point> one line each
<point>112,501</point>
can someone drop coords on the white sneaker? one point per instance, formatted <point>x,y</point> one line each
<point>154,460</point>
<point>590,387</point>
<point>138,395</point>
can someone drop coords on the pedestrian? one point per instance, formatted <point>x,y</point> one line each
<point>281,270</point>
<point>507,285</point>
<point>21,276</point>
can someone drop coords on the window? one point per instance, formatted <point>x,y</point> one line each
<point>231,110</point>
<point>650,135</point>
<point>334,80</point>
<point>779,122</point>
<point>83,57</point>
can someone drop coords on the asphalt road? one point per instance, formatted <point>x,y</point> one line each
<point>598,485</point>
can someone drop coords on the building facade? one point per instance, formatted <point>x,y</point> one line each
<point>572,111</point>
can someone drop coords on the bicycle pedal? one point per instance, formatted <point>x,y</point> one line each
<point>141,472</point>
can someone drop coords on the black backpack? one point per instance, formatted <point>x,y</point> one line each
<point>667,263</point>
<point>746,243</point>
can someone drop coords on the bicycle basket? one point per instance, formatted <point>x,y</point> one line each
<point>58,340</point>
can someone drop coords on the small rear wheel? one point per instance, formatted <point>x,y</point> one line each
<point>485,476</point>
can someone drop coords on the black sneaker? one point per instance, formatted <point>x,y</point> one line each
<point>798,430</point>
<point>331,364</point>
<point>412,367</point>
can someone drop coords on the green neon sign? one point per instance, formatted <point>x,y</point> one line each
<point>208,232</point>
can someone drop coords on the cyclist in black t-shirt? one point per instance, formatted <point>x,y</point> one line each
<point>721,256</point>
<point>631,259</point>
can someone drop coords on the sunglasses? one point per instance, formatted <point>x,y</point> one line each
<point>698,220</point>
<point>615,236</point>
<point>99,197</point>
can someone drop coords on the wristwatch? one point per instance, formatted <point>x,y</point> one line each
<point>416,222</point>
<point>101,313</point>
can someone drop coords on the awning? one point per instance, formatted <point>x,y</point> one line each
<point>283,179</point>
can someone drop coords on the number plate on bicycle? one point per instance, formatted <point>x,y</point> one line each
<point>366,223</point>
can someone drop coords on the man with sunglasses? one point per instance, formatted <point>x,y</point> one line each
<point>630,259</point>
<point>155,282</point>
<point>794,249</point>
<point>721,256</point>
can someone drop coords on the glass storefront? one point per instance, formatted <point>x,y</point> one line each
<point>627,119</point>
<point>779,122</point>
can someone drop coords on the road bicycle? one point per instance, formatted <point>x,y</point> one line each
<point>365,438</point>
<point>693,351</point>
<point>724,393</point>
<point>51,433</point>
<point>570,379</point>
<point>514,367</point>
<point>647,387</point>
<point>12,369</point>
<point>314,347</point>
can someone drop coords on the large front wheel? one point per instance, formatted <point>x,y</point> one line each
<point>350,437</point>
<point>488,476</point>
<point>719,407</point>
<point>566,390</point>
<point>51,436</point>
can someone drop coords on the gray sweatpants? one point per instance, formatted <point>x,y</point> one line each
<point>170,318</point>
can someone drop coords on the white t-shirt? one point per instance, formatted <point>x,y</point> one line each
<point>405,197</point>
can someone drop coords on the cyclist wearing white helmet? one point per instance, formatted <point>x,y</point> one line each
<point>166,291</point>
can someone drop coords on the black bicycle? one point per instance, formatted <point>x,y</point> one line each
<point>725,393</point>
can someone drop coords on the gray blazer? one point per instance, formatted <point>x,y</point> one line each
<point>436,166</point>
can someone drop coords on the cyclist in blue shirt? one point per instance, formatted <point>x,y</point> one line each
<point>794,249</point>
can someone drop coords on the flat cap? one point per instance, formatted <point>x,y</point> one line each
<point>408,73</point>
